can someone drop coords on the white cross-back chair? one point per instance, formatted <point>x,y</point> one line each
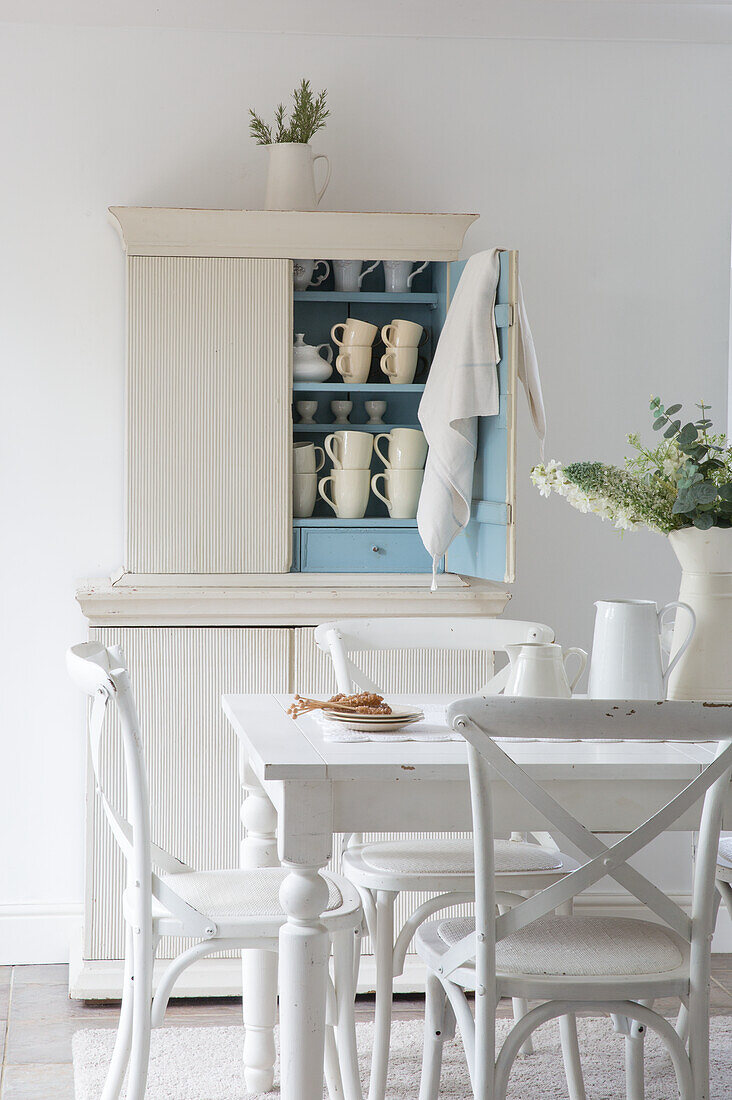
<point>611,965</point>
<point>444,868</point>
<point>222,909</point>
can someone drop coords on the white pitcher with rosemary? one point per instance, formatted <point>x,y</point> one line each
<point>291,169</point>
<point>681,488</point>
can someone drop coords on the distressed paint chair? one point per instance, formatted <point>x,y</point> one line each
<point>222,909</point>
<point>443,868</point>
<point>613,965</point>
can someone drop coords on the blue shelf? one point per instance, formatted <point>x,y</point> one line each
<point>369,521</point>
<point>361,387</point>
<point>366,296</point>
<point>349,427</point>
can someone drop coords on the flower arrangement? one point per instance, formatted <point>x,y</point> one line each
<point>309,113</point>
<point>684,481</point>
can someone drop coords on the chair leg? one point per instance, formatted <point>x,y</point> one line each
<point>571,1057</point>
<point>384,954</point>
<point>259,1013</point>
<point>332,1067</point>
<point>345,944</point>
<point>435,1026</point>
<point>121,1053</point>
<point>141,1015</point>
<point>520,1008</point>
<point>634,1044</point>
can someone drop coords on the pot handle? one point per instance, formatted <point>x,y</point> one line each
<point>328,352</point>
<point>573,650</point>
<point>685,644</point>
<point>321,192</point>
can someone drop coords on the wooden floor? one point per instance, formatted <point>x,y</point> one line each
<point>37,1021</point>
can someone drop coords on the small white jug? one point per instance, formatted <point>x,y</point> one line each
<point>626,650</point>
<point>538,670</point>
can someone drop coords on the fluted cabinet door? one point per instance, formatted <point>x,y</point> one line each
<point>208,415</point>
<point>178,676</point>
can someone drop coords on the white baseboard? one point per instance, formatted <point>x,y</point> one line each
<point>102,979</point>
<point>38,932</point>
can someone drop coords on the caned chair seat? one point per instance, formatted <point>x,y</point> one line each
<point>226,895</point>
<point>724,859</point>
<point>455,857</point>
<point>578,946</point>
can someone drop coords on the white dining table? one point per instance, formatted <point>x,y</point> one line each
<point>302,788</point>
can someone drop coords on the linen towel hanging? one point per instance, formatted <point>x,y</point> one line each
<point>463,385</point>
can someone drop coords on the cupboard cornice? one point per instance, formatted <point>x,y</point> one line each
<point>286,234</point>
<point>285,600</point>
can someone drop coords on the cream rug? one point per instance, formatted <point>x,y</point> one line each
<point>204,1063</point>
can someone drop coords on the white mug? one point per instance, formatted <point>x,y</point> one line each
<point>305,460</point>
<point>360,333</point>
<point>397,277</point>
<point>354,363</point>
<point>403,334</point>
<point>350,492</point>
<point>538,670</point>
<point>302,273</point>
<point>304,493</point>
<point>350,450</point>
<point>407,449</point>
<point>401,491</point>
<point>626,649</point>
<point>348,274</point>
<point>400,365</point>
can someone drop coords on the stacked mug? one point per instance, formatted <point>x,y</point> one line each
<point>402,340</point>
<point>305,466</point>
<point>355,342</point>
<point>350,452</point>
<point>403,471</point>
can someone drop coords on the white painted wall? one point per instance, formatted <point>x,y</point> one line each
<point>607,163</point>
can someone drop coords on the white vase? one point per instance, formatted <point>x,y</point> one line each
<point>291,177</point>
<point>704,672</point>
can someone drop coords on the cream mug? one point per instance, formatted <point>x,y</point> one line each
<point>305,460</point>
<point>304,493</point>
<point>402,489</point>
<point>400,365</point>
<point>350,450</point>
<point>356,332</point>
<point>350,492</point>
<point>407,449</point>
<point>354,363</point>
<point>403,334</point>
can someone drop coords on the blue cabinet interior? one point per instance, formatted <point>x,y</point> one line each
<point>324,543</point>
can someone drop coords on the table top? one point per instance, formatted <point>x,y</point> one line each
<point>282,748</point>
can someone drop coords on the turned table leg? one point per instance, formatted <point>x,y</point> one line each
<point>305,841</point>
<point>259,968</point>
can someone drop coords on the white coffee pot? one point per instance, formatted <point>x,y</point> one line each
<point>538,669</point>
<point>308,365</point>
<point>626,649</point>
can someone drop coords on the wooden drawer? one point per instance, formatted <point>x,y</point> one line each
<point>363,550</point>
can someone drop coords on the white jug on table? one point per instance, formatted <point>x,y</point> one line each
<point>626,649</point>
<point>538,670</point>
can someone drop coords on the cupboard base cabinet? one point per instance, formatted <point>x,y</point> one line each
<point>221,587</point>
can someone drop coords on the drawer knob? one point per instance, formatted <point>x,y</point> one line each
<point>376,549</point>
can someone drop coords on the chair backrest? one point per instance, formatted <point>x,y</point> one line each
<point>480,720</point>
<point>345,636</point>
<point>101,672</point>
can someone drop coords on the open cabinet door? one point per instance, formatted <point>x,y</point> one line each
<point>487,546</point>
